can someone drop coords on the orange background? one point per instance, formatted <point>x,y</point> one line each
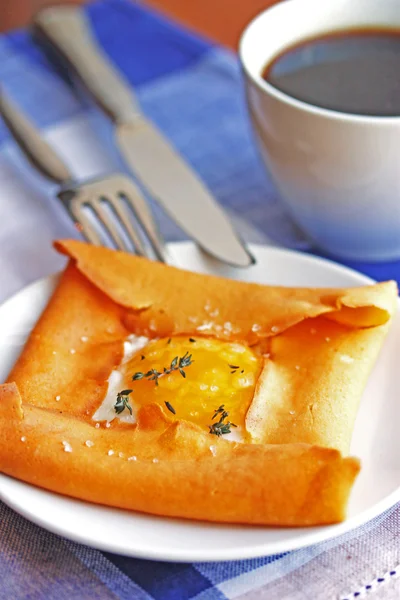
<point>221,20</point>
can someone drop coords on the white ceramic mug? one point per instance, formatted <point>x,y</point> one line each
<point>337,173</point>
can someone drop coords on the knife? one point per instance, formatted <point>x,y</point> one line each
<point>159,167</point>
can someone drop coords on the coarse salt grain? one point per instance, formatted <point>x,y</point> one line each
<point>155,460</point>
<point>97,425</point>
<point>231,328</point>
<point>23,439</point>
<point>72,350</point>
<point>213,450</point>
<point>274,329</point>
<point>291,412</point>
<point>121,454</point>
<point>238,348</point>
<point>58,398</point>
<point>346,358</point>
<point>214,388</point>
<point>110,452</point>
<point>256,327</point>
<point>54,352</point>
<point>132,458</point>
<point>203,386</point>
<point>108,424</point>
<point>246,381</point>
<point>84,338</point>
<point>89,443</point>
<point>206,326</point>
<point>214,313</point>
<point>67,446</point>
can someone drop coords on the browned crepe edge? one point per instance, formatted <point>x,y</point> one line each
<point>289,485</point>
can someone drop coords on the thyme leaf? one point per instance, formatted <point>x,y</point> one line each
<point>137,376</point>
<point>170,407</point>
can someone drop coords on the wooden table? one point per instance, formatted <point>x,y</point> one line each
<point>221,20</point>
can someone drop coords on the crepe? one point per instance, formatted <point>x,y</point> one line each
<point>317,346</point>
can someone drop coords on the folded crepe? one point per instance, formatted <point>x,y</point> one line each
<point>313,350</point>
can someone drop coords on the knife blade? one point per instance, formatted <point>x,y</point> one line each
<point>159,167</point>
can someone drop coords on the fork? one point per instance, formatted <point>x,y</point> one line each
<point>109,199</point>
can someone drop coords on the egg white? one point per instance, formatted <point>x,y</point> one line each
<point>106,412</point>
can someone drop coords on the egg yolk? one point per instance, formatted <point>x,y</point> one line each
<point>217,373</point>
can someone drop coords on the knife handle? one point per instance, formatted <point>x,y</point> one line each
<point>30,141</point>
<point>66,30</point>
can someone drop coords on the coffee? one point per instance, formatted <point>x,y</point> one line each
<point>355,71</point>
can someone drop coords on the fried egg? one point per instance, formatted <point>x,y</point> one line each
<point>189,377</point>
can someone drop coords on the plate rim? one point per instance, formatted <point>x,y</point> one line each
<point>323,534</point>
<point>308,257</point>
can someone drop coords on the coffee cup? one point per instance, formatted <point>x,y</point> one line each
<point>337,173</point>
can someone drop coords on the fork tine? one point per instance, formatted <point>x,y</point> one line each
<point>135,201</point>
<point>125,221</point>
<point>84,225</point>
<point>96,205</point>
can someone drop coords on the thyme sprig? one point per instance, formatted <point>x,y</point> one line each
<point>177,364</point>
<point>122,402</point>
<point>221,427</point>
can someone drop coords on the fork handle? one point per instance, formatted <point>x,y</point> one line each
<point>66,30</point>
<point>30,141</point>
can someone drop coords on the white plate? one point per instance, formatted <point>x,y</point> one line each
<point>375,441</point>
